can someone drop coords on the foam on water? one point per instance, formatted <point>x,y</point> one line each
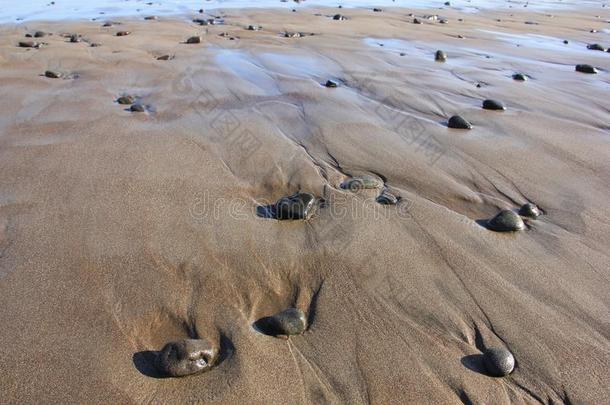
<point>29,10</point>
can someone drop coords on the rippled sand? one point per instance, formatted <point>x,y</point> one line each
<point>121,231</point>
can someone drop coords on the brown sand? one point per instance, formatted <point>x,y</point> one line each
<point>122,231</point>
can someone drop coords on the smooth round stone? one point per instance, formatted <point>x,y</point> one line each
<point>493,105</point>
<point>193,40</point>
<point>499,362</point>
<point>506,221</point>
<point>123,33</point>
<point>530,210</point>
<point>331,84</point>
<point>596,47</point>
<point>387,198</point>
<point>362,183</point>
<point>53,75</point>
<point>296,206</point>
<point>186,357</point>
<point>586,69</point>
<point>137,108</point>
<point>440,56</point>
<point>126,100</point>
<point>458,122</point>
<point>520,77</point>
<point>291,321</point>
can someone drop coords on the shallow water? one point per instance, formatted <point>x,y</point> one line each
<point>13,10</point>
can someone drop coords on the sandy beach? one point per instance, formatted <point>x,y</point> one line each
<point>122,230</point>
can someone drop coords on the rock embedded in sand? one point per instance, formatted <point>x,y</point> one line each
<point>253,27</point>
<point>530,210</point>
<point>339,17</point>
<point>29,44</point>
<point>387,198</point>
<point>362,183</point>
<point>493,105</point>
<point>186,357</point>
<point>126,100</point>
<point>459,122</point>
<point>596,47</point>
<point>296,206</point>
<point>165,57</point>
<point>53,75</point>
<point>290,322</point>
<point>519,77</point>
<point>506,221</point>
<point>40,34</point>
<point>331,84</point>
<point>74,38</point>
<point>151,17</point>
<point>137,108</point>
<point>123,33</point>
<point>440,56</point>
<point>586,69</point>
<point>416,21</point>
<point>498,362</point>
<point>194,40</point>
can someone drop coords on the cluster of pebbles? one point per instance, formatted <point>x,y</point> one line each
<point>132,102</point>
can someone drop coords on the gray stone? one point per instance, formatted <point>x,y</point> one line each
<point>499,362</point>
<point>362,183</point>
<point>193,40</point>
<point>165,57</point>
<point>186,357</point>
<point>506,221</point>
<point>586,69</point>
<point>296,206</point>
<point>530,210</point>
<point>493,105</point>
<point>289,322</point>
<point>53,75</point>
<point>458,122</point>
<point>126,100</point>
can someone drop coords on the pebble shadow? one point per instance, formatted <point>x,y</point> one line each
<point>474,362</point>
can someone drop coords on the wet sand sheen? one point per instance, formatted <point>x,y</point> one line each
<point>132,240</point>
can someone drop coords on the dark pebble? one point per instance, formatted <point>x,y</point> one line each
<point>440,56</point>
<point>296,206</point>
<point>137,108</point>
<point>416,21</point>
<point>126,100</point>
<point>530,210</point>
<point>586,69</point>
<point>123,33</point>
<point>53,75</point>
<point>331,84</point>
<point>40,34</point>
<point>493,105</point>
<point>151,17</point>
<point>377,10</point>
<point>596,47</point>
<point>74,38</point>
<point>458,122</point>
<point>387,198</point>
<point>290,322</point>
<point>499,362</point>
<point>165,57</point>
<point>506,221</point>
<point>186,357</point>
<point>193,40</point>
<point>339,17</point>
<point>519,77</point>
<point>29,44</point>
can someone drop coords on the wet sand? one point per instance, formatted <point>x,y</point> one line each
<point>121,231</point>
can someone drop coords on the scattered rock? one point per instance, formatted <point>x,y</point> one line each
<point>296,206</point>
<point>416,21</point>
<point>151,17</point>
<point>530,210</point>
<point>40,34</point>
<point>74,38</point>
<point>493,105</point>
<point>586,69</point>
<point>331,84</point>
<point>440,56</point>
<point>339,17</point>
<point>443,21</point>
<point>519,77</point>
<point>186,357</point>
<point>289,322</point>
<point>107,24</point>
<point>165,57</point>
<point>387,198</point>
<point>499,362</point>
<point>193,40</point>
<point>596,47</point>
<point>29,44</point>
<point>123,33</point>
<point>377,10</point>
<point>137,108</point>
<point>254,28</point>
<point>126,100</point>
<point>506,221</point>
<point>459,122</point>
<point>53,75</point>
<point>362,183</point>
<point>94,44</point>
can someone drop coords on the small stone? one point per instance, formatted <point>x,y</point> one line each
<point>29,44</point>
<point>107,24</point>
<point>458,122</point>
<point>74,38</point>
<point>137,108</point>
<point>94,44</point>
<point>530,210</point>
<point>506,221</point>
<point>440,56</point>
<point>53,75</point>
<point>331,84</point>
<point>443,21</point>
<point>165,57</point>
<point>290,322</point>
<point>362,183</point>
<point>253,28</point>
<point>519,77</point>
<point>499,362</point>
<point>193,40</point>
<point>596,47</point>
<point>565,41</point>
<point>586,69</point>
<point>123,33</point>
<point>377,10</point>
<point>447,3</point>
<point>40,34</point>
<point>186,357</point>
<point>296,206</point>
<point>493,105</point>
<point>151,17</point>
<point>387,198</point>
<point>339,17</point>
<point>126,100</point>
<point>416,21</point>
